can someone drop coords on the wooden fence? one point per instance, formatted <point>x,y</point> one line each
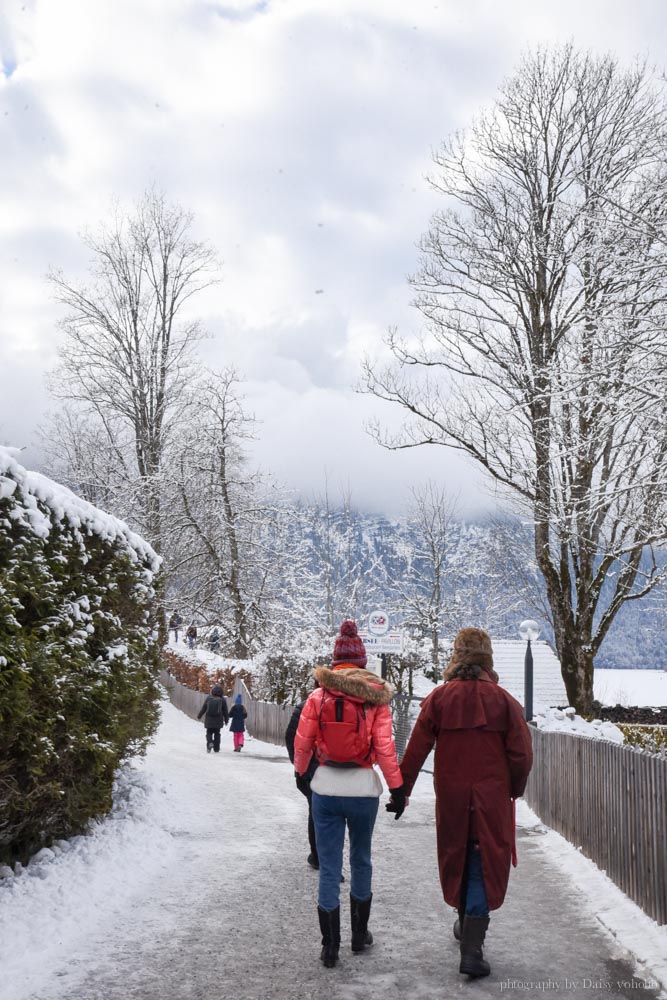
<point>266,721</point>
<point>611,801</point>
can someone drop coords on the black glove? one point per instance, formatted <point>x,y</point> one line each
<point>396,803</point>
<point>302,783</point>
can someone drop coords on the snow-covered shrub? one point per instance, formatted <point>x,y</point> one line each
<point>653,739</point>
<point>197,676</point>
<point>566,720</point>
<point>286,676</point>
<point>78,657</point>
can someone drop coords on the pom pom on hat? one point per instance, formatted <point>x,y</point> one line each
<point>349,648</point>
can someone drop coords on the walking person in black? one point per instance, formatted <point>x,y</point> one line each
<point>217,716</point>
<point>303,782</point>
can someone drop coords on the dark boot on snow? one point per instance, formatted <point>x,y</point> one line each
<point>458,923</point>
<point>360,911</point>
<point>472,940</point>
<point>330,927</point>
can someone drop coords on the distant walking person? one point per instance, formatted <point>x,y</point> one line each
<point>303,781</point>
<point>214,641</point>
<point>215,710</point>
<point>175,624</point>
<point>483,756</point>
<point>237,715</point>
<point>347,722</point>
<point>191,635</point>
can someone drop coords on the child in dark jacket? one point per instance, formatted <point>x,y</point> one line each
<point>237,716</point>
<point>217,716</point>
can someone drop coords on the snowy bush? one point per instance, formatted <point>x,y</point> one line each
<point>78,657</point>
<point>285,676</point>
<point>196,675</point>
<point>566,720</point>
<point>653,739</point>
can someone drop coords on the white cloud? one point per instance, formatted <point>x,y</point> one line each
<point>299,134</point>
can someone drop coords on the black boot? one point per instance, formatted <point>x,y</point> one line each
<point>458,923</point>
<point>359,914</point>
<point>472,939</point>
<point>330,927</point>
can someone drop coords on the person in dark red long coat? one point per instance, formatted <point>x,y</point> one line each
<point>483,756</point>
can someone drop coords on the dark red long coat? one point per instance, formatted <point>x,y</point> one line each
<point>483,756</point>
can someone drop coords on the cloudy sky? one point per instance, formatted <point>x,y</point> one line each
<point>299,134</point>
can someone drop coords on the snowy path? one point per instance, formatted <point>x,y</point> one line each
<point>223,905</point>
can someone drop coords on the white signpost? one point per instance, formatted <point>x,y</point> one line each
<point>378,639</point>
<point>392,642</point>
<point>378,623</point>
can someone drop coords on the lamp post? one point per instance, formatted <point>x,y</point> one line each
<point>528,630</point>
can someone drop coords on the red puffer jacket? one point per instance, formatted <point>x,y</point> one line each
<point>375,694</point>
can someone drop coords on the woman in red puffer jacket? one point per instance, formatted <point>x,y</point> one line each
<point>347,723</point>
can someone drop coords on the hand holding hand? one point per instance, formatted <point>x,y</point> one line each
<point>397,802</point>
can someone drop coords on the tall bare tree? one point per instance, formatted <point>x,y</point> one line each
<point>423,592</point>
<point>127,356</point>
<point>225,518</point>
<point>543,285</point>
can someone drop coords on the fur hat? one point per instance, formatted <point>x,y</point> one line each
<point>349,648</point>
<point>472,648</point>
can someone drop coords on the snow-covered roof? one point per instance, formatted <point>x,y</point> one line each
<point>548,686</point>
<point>63,505</point>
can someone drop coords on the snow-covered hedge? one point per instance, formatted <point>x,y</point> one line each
<point>78,657</point>
<point>566,720</point>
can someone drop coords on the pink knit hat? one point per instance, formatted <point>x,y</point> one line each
<point>349,648</point>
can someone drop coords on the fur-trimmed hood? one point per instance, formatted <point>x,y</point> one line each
<point>356,682</point>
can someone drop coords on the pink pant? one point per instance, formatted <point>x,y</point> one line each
<point>238,740</point>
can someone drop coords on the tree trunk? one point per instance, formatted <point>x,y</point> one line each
<point>576,661</point>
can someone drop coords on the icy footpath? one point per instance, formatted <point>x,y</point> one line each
<point>197,887</point>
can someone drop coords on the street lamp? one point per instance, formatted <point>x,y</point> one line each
<point>528,630</point>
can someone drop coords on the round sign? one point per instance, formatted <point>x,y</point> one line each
<point>378,623</point>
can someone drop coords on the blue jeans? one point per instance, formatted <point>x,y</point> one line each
<point>331,813</point>
<point>476,902</point>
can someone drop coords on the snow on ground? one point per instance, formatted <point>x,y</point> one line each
<point>53,905</point>
<point>555,720</point>
<point>626,921</point>
<point>197,887</point>
<point>644,688</point>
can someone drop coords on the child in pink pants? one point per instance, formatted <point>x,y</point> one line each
<point>237,717</point>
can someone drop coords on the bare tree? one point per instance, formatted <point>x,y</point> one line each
<point>225,519</point>
<point>424,593</point>
<point>79,453</point>
<point>127,356</point>
<point>543,353</point>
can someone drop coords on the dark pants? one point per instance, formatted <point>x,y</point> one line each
<point>213,736</point>
<point>476,904</point>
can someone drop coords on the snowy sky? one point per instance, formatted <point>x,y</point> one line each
<point>299,133</point>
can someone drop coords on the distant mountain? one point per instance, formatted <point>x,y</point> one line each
<point>490,579</point>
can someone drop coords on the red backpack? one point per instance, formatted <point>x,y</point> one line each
<point>343,739</point>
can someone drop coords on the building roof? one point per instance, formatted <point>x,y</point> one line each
<point>548,686</point>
